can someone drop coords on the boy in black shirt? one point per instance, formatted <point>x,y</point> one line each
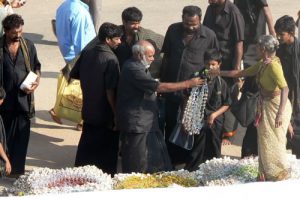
<point>207,144</point>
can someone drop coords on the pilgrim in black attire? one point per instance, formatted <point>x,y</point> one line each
<point>98,71</point>
<point>18,106</point>
<point>289,54</point>
<point>142,144</point>
<point>183,56</point>
<point>207,144</point>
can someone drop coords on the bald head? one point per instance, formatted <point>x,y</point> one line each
<point>144,51</point>
<point>141,47</point>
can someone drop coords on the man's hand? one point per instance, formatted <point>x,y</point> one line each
<point>291,132</point>
<point>7,167</point>
<point>211,119</point>
<point>34,85</point>
<point>196,81</point>
<point>278,120</point>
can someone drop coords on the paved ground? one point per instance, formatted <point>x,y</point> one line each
<point>53,145</point>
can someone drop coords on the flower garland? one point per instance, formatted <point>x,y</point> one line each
<point>193,115</point>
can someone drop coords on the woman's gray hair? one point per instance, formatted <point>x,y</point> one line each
<point>269,43</point>
<point>138,48</point>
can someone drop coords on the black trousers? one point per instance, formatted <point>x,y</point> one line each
<point>98,146</point>
<point>17,128</point>
<point>144,152</point>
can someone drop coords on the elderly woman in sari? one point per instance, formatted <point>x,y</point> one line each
<point>273,109</point>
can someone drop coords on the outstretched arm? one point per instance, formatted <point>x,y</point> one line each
<point>229,73</point>
<point>171,87</point>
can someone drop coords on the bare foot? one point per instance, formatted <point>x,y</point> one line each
<point>226,142</point>
<point>54,116</point>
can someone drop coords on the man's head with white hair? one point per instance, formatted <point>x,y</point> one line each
<point>144,52</point>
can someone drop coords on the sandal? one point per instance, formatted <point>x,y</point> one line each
<point>54,116</point>
<point>79,127</point>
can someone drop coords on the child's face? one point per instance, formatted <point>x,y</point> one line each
<point>284,37</point>
<point>212,64</point>
<point>1,101</point>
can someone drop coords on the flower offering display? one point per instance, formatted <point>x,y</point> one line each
<point>165,179</point>
<point>45,180</point>
<point>215,172</point>
<point>227,171</point>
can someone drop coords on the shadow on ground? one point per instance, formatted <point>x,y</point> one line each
<point>43,151</point>
<point>48,74</point>
<point>38,39</point>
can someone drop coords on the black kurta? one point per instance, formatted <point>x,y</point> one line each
<point>15,110</point>
<point>98,71</point>
<point>142,144</point>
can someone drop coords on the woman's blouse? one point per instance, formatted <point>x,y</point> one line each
<point>269,76</point>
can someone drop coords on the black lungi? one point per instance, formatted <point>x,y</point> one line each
<point>17,128</point>
<point>98,146</point>
<point>144,153</point>
<point>207,145</point>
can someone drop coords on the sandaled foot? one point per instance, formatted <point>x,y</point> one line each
<point>54,116</point>
<point>79,127</point>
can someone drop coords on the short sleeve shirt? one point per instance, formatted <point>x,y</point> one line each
<point>218,95</point>
<point>184,60</point>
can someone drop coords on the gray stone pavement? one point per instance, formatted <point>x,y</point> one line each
<point>53,145</point>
